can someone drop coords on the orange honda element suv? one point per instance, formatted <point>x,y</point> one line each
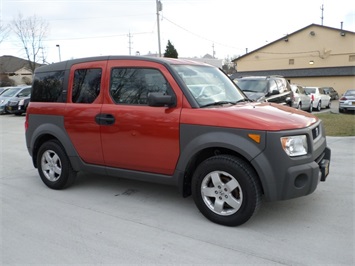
<point>175,122</point>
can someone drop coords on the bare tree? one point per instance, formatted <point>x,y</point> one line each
<point>31,32</point>
<point>4,32</point>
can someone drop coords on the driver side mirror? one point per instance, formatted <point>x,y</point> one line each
<point>158,99</point>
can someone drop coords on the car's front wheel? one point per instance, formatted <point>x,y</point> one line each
<point>226,190</point>
<point>54,166</point>
<point>319,106</point>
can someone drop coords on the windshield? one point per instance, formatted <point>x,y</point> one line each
<point>310,90</point>
<point>208,85</point>
<point>10,92</point>
<point>255,85</point>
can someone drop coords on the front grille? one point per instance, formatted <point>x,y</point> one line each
<point>316,132</point>
<point>11,103</point>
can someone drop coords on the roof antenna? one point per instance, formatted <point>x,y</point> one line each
<point>322,17</point>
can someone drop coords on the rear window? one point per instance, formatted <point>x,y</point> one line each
<point>48,87</point>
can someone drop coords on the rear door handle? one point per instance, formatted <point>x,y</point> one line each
<point>105,119</point>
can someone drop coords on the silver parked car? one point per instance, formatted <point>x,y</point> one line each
<point>13,93</point>
<point>319,98</point>
<point>301,100</point>
<point>347,101</point>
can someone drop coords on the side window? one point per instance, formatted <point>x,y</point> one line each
<point>25,92</point>
<point>86,86</point>
<point>132,85</point>
<point>273,85</point>
<point>280,85</point>
<point>48,87</point>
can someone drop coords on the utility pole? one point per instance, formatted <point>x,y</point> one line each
<point>322,17</point>
<point>159,8</point>
<point>129,43</point>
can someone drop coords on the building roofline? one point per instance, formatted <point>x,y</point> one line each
<point>301,72</point>
<point>295,32</point>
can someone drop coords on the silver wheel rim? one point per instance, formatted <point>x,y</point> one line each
<point>221,193</point>
<point>51,165</point>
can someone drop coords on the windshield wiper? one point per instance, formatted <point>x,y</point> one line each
<point>218,103</point>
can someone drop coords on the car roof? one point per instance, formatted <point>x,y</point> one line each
<point>163,60</point>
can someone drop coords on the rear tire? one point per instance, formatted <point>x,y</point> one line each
<point>226,190</point>
<point>54,166</point>
<point>319,106</point>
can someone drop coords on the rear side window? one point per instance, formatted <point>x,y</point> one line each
<point>48,87</point>
<point>132,85</point>
<point>86,86</point>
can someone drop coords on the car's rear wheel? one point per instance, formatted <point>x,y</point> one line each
<point>226,190</point>
<point>319,106</point>
<point>54,166</point>
<point>310,109</point>
<point>299,107</point>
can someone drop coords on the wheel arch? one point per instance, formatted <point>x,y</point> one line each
<point>54,130</point>
<point>202,147</point>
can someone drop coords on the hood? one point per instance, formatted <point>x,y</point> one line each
<point>257,116</point>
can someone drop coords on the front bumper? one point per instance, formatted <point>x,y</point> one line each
<point>285,177</point>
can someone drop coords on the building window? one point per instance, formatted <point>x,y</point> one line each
<point>352,58</point>
<point>291,61</point>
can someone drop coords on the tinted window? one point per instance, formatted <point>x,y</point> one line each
<point>132,85</point>
<point>252,85</point>
<point>48,87</point>
<point>25,92</point>
<point>86,86</point>
<point>273,86</point>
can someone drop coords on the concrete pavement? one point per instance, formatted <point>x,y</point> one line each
<point>104,220</point>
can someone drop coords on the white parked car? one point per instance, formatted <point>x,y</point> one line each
<point>301,100</point>
<point>319,98</point>
<point>347,101</point>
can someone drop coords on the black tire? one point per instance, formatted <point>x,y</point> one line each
<point>229,182</point>
<point>319,106</point>
<point>299,107</point>
<point>310,109</point>
<point>328,106</point>
<point>54,166</point>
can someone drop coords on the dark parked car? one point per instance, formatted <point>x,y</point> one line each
<point>12,94</point>
<point>18,106</point>
<point>274,89</point>
<point>347,101</point>
<point>331,92</point>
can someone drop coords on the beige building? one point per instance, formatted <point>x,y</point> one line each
<point>312,56</point>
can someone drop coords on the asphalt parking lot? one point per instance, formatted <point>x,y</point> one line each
<point>103,220</point>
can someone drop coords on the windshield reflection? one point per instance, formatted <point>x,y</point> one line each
<point>208,85</point>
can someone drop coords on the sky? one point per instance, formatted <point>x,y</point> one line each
<point>223,28</point>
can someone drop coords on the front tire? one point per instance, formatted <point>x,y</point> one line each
<point>54,166</point>
<point>226,190</point>
<point>319,106</point>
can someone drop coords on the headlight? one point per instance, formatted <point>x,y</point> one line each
<point>295,145</point>
<point>21,102</point>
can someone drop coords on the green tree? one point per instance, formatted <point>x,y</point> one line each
<point>170,51</point>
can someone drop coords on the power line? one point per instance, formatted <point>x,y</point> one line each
<point>199,36</point>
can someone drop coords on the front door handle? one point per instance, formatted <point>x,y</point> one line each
<point>105,119</point>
